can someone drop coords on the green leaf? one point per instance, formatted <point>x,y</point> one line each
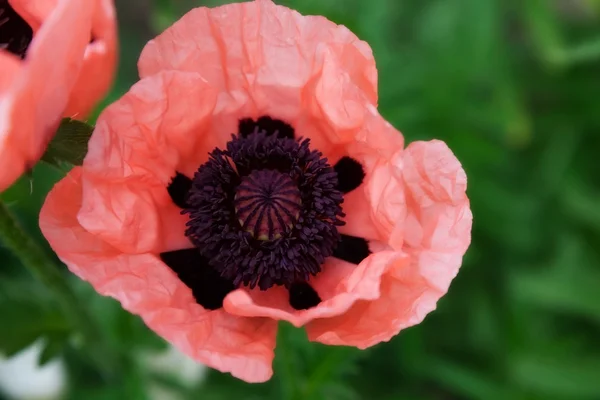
<point>544,30</point>
<point>468,383</point>
<point>580,202</point>
<point>53,346</point>
<point>568,284</point>
<point>24,322</point>
<point>70,143</point>
<point>572,377</point>
<point>338,391</point>
<point>585,52</point>
<point>577,294</point>
<point>333,361</point>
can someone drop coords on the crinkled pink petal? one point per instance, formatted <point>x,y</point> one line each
<point>339,285</point>
<point>122,215</point>
<point>149,132</point>
<point>137,145</point>
<point>32,106</point>
<point>359,218</point>
<point>133,220</point>
<point>437,232</point>
<point>147,287</point>
<point>266,59</point>
<point>386,203</point>
<point>436,193</point>
<point>241,45</point>
<point>374,146</point>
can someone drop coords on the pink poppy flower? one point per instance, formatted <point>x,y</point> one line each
<point>248,178</point>
<point>57,59</point>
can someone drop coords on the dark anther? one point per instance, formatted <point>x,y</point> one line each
<point>265,124</point>
<point>15,32</point>
<point>350,174</point>
<point>265,210</point>
<point>352,249</point>
<point>178,189</point>
<point>209,289</point>
<point>303,296</point>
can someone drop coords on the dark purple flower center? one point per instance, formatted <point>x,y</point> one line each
<point>15,32</point>
<point>267,203</point>
<point>263,211</point>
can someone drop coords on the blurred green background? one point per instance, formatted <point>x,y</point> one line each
<point>513,86</point>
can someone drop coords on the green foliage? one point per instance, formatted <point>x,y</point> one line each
<point>512,87</point>
<point>26,319</point>
<point>69,145</point>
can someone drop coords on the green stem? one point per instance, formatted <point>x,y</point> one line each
<point>289,387</point>
<point>44,268</point>
<point>320,374</point>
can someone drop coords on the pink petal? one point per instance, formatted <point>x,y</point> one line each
<point>147,287</point>
<point>436,229</point>
<point>258,43</point>
<point>387,203</point>
<point>99,64</point>
<point>373,209</point>
<point>138,145</point>
<point>359,217</point>
<point>404,301</point>
<point>147,133</point>
<point>339,285</point>
<point>32,106</point>
<point>10,65</point>
<point>264,59</point>
<point>438,207</point>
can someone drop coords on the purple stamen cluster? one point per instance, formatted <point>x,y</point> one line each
<point>265,210</point>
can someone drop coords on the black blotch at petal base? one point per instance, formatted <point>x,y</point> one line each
<point>352,249</point>
<point>350,174</point>
<point>15,33</point>
<point>179,188</point>
<point>303,296</point>
<point>270,125</point>
<point>208,287</point>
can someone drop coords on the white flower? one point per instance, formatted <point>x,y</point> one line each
<point>21,377</point>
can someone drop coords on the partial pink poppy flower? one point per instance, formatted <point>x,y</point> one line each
<point>57,59</point>
<point>248,178</point>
